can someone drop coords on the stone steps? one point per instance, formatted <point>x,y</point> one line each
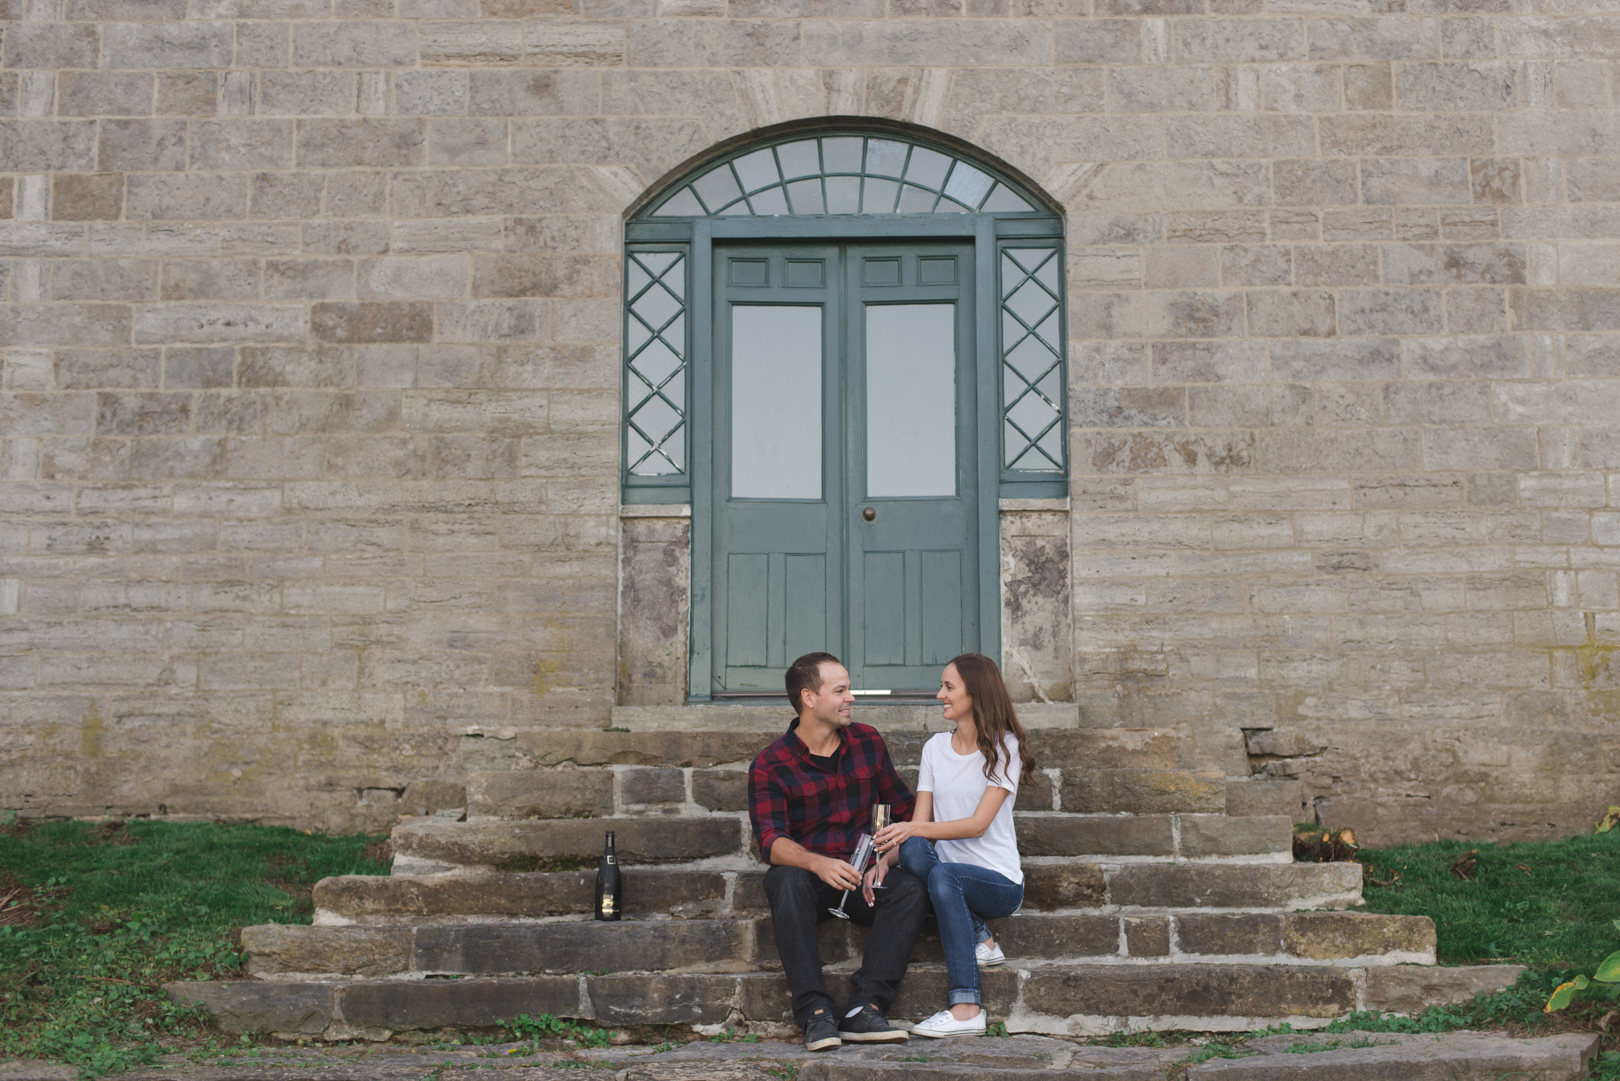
<point>605,791</point>
<point>1072,998</point>
<point>427,845</point>
<point>742,944</point>
<point>654,891</point>
<point>1053,748</point>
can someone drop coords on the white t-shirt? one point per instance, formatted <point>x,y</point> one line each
<point>958,783</point>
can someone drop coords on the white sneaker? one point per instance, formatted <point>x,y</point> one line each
<point>944,1024</point>
<point>988,956</point>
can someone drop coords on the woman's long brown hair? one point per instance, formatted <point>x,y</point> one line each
<point>993,713</point>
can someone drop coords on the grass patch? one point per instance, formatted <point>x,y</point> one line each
<point>97,917</point>
<point>1546,904</point>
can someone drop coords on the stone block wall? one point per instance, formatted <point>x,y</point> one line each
<point>309,378</point>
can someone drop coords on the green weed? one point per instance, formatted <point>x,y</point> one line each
<point>547,1027</point>
<point>101,916</point>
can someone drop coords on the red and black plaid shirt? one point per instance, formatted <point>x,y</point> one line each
<point>789,795</point>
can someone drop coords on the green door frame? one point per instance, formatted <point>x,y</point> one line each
<point>985,231</point>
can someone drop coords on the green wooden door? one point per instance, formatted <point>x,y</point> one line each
<point>912,477</point>
<point>844,451</point>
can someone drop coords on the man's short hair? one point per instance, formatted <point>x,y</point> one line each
<point>804,674</point>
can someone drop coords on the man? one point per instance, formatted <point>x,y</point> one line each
<point>810,795</point>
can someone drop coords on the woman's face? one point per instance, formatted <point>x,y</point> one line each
<point>958,703</point>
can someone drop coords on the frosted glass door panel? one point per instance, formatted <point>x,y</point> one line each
<point>775,402</point>
<point>910,400</point>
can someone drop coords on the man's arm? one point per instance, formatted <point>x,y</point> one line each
<point>835,873</point>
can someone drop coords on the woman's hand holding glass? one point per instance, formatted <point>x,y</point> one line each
<point>895,834</point>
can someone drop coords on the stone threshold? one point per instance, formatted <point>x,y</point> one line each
<point>775,717</point>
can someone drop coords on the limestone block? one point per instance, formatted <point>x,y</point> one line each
<point>1200,991</point>
<point>482,42</point>
<point>357,951</point>
<point>720,790</point>
<point>430,93</point>
<point>373,43</point>
<point>1411,989</point>
<point>1377,38</point>
<point>259,1006</point>
<point>393,1005</point>
<point>1146,936</point>
<point>1232,935</point>
<point>652,786</point>
<point>49,144</point>
<point>87,196</point>
<point>95,93</point>
<point>1329,935</point>
<point>1337,264</point>
<point>348,143</point>
<point>579,946</point>
<point>541,794</point>
<point>558,43</point>
<point>51,45</point>
<point>242,144</point>
<point>191,44</point>
<point>1234,136</point>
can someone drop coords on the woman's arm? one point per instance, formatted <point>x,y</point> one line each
<point>922,824</point>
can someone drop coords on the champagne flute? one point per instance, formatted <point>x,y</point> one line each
<point>881,817</point>
<point>863,852</point>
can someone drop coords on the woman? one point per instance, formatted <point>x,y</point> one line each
<point>960,840</point>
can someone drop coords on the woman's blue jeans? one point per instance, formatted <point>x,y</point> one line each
<point>964,896</point>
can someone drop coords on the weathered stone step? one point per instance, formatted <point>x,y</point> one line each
<point>1054,748</point>
<point>1074,999</point>
<point>489,949</point>
<point>600,792</point>
<point>1461,1056</point>
<point>653,891</point>
<point>426,845</point>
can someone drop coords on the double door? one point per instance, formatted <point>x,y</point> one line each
<point>845,479</point>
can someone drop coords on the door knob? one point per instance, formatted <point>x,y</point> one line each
<point>869,513</point>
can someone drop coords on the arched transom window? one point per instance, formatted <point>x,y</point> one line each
<point>842,174</point>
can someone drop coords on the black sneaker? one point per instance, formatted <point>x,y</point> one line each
<point>820,1034</point>
<point>866,1025</point>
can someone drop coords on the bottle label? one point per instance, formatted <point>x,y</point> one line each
<point>611,859</point>
<point>607,904</point>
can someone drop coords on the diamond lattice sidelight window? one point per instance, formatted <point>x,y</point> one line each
<point>655,345</point>
<point>1032,359</point>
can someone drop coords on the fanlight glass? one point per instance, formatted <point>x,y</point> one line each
<point>842,174</point>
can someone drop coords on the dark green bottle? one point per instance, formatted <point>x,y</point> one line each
<point>608,884</point>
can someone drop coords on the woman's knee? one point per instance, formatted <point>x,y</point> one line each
<point>944,882</point>
<point>917,856</point>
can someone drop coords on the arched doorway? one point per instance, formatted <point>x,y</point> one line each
<point>843,346</point>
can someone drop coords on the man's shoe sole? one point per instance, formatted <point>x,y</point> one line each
<point>824,1045</point>
<point>893,1035</point>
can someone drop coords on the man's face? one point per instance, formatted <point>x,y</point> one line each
<point>831,703</point>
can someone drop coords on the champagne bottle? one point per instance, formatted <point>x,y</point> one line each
<point>608,884</point>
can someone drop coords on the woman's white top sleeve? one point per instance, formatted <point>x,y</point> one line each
<point>958,783</point>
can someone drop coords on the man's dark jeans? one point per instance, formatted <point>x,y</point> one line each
<point>800,900</point>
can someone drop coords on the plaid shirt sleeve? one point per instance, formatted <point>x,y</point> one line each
<point>767,802</point>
